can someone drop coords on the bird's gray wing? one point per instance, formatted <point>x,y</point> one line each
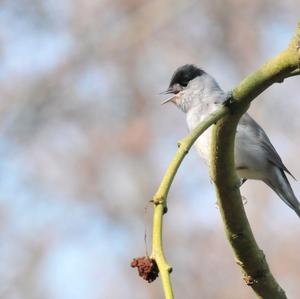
<point>265,142</point>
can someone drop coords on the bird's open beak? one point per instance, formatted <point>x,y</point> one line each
<point>170,99</point>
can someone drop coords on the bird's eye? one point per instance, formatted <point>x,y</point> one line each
<point>184,83</point>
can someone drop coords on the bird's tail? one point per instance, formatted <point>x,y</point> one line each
<point>280,184</point>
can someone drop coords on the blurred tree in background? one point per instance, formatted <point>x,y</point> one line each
<point>84,143</point>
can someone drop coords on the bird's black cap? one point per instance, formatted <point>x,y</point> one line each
<point>184,74</point>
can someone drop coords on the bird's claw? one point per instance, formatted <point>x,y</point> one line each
<point>229,99</point>
<point>240,183</point>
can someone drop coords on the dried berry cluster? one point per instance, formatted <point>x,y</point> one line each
<point>147,268</point>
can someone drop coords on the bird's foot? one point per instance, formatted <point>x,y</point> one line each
<point>240,183</point>
<point>229,99</point>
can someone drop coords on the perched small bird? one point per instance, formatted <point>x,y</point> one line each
<point>198,94</point>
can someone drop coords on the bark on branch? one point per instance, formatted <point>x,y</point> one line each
<point>248,255</point>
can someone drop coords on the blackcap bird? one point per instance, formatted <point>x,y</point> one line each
<point>198,94</point>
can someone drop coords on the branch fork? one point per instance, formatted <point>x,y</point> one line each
<point>248,255</point>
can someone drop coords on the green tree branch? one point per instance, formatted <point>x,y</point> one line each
<point>251,259</point>
<point>160,198</point>
<point>247,253</point>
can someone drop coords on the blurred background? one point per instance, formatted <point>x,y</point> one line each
<point>84,143</point>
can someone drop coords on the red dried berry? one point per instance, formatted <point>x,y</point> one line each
<point>147,268</point>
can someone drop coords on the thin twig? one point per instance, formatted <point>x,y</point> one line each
<point>160,198</point>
